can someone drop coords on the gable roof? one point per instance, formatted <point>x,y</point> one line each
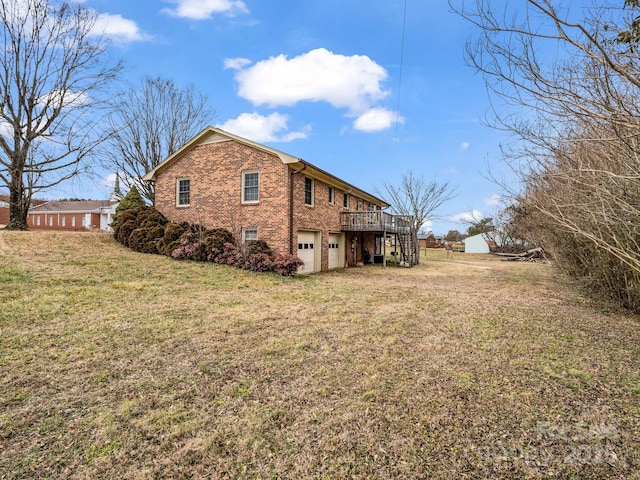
<point>80,206</point>
<point>216,135</point>
<point>6,199</point>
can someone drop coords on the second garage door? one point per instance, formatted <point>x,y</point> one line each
<point>336,250</point>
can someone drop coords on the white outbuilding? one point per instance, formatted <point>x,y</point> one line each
<point>477,244</point>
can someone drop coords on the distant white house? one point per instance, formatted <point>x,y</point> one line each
<point>480,243</point>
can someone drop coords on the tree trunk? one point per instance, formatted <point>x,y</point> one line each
<point>18,205</point>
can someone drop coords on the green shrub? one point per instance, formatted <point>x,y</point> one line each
<point>131,201</point>
<point>140,229</point>
<point>258,246</point>
<point>171,238</point>
<point>214,242</point>
<point>144,239</point>
<point>146,230</point>
<point>125,227</point>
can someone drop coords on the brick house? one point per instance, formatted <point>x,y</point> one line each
<point>221,180</point>
<point>4,209</point>
<point>82,215</point>
<point>431,241</point>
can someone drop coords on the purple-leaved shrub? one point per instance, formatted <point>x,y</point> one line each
<point>286,264</point>
<point>258,262</point>
<point>187,247</point>
<point>230,255</point>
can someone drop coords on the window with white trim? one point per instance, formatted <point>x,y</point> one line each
<point>63,219</point>
<point>183,192</point>
<point>249,233</point>
<point>51,221</point>
<point>250,187</point>
<point>38,220</point>
<point>332,195</point>
<point>308,191</point>
<point>73,221</point>
<point>345,200</point>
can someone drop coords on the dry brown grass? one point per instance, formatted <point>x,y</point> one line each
<point>115,364</point>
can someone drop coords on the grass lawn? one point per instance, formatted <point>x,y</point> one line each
<point>115,364</point>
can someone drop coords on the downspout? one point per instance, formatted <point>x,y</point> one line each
<point>291,175</point>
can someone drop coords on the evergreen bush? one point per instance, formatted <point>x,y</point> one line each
<point>146,230</point>
<point>171,238</point>
<point>131,201</point>
<point>258,246</point>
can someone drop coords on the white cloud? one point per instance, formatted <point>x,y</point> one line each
<point>351,82</point>
<point>260,128</point>
<point>464,146</point>
<point>6,130</point>
<point>467,217</point>
<point>205,9</point>
<point>57,99</point>
<point>427,227</point>
<point>109,181</point>
<point>236,63</point>
<point>121,30</point>
<point>376,120</point>
<point>493,200</point>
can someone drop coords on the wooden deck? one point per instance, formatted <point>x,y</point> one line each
<point>376,221</point>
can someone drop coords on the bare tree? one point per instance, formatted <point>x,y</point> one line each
<point>53,69</point>
<point>150,123</point>
<point>565,81</point>
<point>417,196</point>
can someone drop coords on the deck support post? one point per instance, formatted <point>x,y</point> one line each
<point>384,247</point>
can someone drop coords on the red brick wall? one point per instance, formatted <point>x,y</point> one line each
<point>322,216</point>
<point>215,174</point>
<point>4,216</point>
<point>56,220</point>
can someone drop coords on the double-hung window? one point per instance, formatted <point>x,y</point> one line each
<point>308,191</point>
<point>345,200</point>
<point>332,195</point>
<point>249,233</point>
<point>250,187</point>
<point>183,192</point>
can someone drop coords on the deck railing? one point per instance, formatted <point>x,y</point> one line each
<point>375,221</point>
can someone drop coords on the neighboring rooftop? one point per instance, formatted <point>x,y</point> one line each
<point>73,206</point>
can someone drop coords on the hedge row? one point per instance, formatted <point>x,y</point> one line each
<point>146,230</point>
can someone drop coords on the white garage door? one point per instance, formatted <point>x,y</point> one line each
<point>307,251</point>
<point>336,251</point>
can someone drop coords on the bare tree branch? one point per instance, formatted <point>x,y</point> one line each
<point>152,121</point>
<point>53,70</point>
<point>417,196</point>
<point>574,78</point>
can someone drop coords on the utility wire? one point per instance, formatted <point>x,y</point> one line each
<point>404,25</point>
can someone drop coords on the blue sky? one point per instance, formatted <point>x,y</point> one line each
<point>322,81</point>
